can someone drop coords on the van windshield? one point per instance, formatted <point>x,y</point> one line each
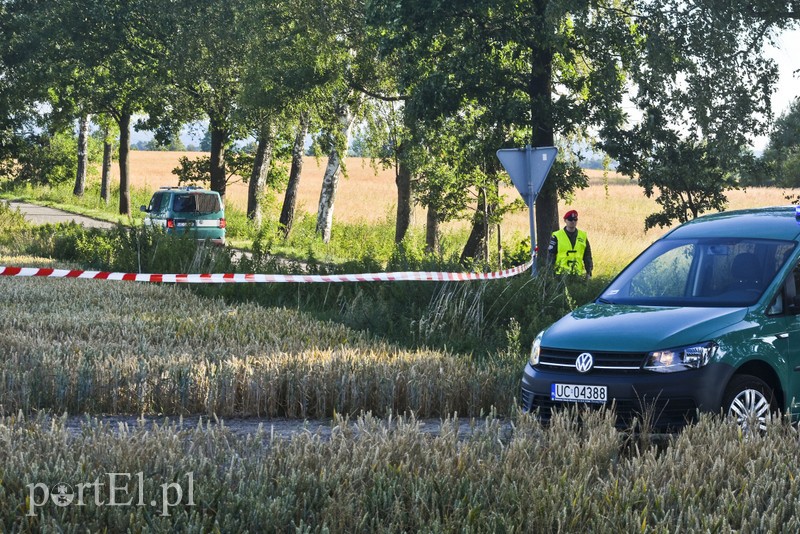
<point>700,272</point>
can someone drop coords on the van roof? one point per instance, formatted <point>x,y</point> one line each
<point>778,222</point>
<point>184,188</point>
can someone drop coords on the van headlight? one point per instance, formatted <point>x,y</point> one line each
<point>536,348</point>
<point>680,359</point>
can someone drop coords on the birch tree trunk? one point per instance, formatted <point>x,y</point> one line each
<point>261,166</point>
<point>330,182</point>
<point>83,156</point>
<point>290,199</point>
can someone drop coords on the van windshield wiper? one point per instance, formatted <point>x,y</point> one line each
<point>603,301</point>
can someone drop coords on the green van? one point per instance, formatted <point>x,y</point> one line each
<point>706,319</point>
<point>188,211</point>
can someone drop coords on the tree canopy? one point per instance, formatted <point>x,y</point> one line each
<point>672,90</point>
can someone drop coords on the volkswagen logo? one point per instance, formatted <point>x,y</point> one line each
<point>584,362</point>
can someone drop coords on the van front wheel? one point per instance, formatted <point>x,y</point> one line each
<point>750,401</point>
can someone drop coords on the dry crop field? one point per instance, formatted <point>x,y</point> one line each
<point>612,209</point>
<point>81,346</point>
<point>124,347</point>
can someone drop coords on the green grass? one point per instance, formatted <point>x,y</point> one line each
<point>475,317</point>
<point>356,241</point>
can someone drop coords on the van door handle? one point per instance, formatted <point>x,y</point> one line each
<point>782,335</point>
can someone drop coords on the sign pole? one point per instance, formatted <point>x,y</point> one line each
<point>531,202</point>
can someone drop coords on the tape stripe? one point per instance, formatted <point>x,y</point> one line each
<point>220,278</point>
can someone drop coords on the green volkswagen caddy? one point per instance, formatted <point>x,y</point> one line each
<point>188,211</point>
<point>707,319</point>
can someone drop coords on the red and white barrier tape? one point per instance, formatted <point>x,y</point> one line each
<point>223,278</point>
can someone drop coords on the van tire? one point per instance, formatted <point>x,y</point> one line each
<point>750,402</point>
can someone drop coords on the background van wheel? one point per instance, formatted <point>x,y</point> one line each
<point>750,401</point>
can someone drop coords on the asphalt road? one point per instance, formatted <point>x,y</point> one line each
<point>43,215</point>
<point>271,429</point>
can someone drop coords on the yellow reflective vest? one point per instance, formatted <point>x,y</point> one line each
<point>569,259</point>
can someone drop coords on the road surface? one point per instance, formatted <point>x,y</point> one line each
<point>44,215</point>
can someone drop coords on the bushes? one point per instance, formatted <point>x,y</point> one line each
<point>138,249</point>
<point>13,228</point>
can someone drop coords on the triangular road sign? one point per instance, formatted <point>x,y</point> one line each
<point>528,168</point>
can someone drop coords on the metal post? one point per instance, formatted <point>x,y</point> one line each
<point>531,201</point>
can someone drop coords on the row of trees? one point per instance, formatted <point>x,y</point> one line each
<point>780,163</point>
<point>440,86</point>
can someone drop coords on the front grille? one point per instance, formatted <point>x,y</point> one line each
<point>604,362</point>
<point>657,414</point>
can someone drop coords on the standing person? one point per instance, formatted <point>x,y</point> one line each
<point>569,249</point>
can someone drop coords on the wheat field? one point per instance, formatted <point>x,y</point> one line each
<point>612,209</point>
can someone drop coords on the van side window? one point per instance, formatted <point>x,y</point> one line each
<point>786,296</point>
<point>157,203</point>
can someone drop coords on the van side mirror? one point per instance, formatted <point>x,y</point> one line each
<point>144,209</point>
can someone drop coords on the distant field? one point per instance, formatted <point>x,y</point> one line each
<point>363,195</point>
<point>613,216</point>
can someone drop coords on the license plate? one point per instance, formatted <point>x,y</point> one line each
<point>184,224</point>
<point>578,393</point>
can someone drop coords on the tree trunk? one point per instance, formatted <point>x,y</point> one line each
<point>330,182</point>
<point>124,161</point>
<point>290,199</point>
<point>261,166</point>
<point>540,92</point>
<point>478,241</point>
<point>432,231</point>
<point>83,156</point>
<point>403,180</point>
<point>219,138</point>
<point>105,189</point>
